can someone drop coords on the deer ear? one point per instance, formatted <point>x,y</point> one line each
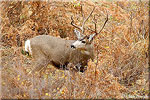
<point>78,34</point>
<point>91,37</point>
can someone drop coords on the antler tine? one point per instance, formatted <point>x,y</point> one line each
<point>95,31</point>
<point>82,12</point>
<point>88,16</point>
<point>87,19</point>
<point>104,24</point>
<point>84,20</point>
<point>95,24</point>
<point>72,23</point>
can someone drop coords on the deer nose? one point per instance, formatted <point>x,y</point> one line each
<point>72,46</point>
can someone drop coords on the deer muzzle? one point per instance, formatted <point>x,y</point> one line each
<point>72,46</point>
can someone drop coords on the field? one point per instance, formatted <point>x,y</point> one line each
<point>119,69</point>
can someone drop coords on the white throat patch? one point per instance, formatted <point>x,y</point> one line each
<point>78,44</point>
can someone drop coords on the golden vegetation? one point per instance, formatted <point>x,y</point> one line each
<point>120,67</point>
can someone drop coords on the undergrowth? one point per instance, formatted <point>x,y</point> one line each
<point>120,67</point>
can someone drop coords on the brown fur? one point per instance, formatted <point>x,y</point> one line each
<point>52,50</point>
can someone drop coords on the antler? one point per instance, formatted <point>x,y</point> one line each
<point>84,20</point>
<point>95,23</point>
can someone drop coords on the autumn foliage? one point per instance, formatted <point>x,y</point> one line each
<point>120,67</point>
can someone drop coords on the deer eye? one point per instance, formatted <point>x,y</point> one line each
<point>83,41</point>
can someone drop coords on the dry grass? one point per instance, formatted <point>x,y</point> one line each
<point>120,67</point>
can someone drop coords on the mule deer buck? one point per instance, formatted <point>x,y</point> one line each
<point>59,52</point>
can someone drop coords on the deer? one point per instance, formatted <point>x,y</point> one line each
<point>46,49</point>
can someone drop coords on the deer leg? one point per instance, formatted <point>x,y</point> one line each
<point>59,66</point>
<point>80,67</point>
